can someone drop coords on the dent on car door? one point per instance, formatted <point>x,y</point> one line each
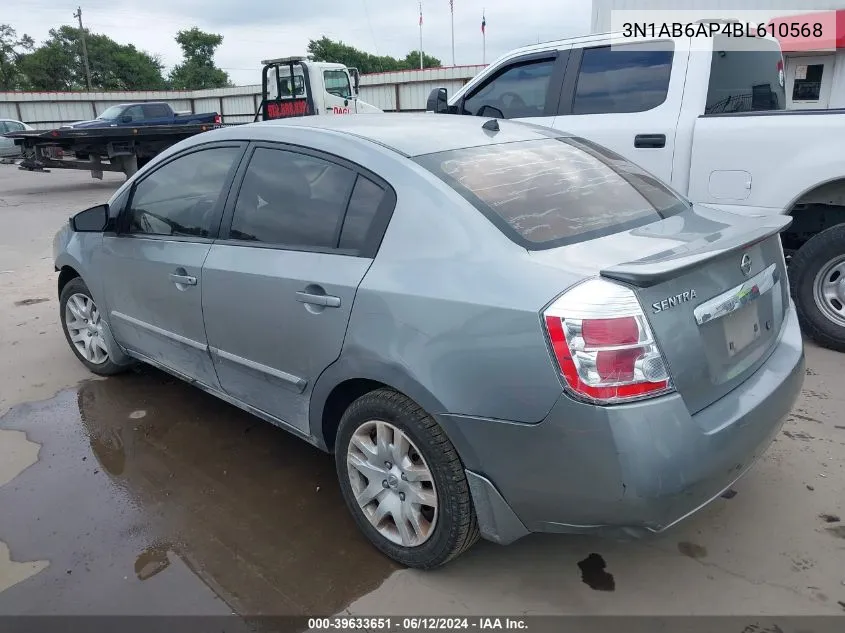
<point>279,286</point>
<point>154,260</point>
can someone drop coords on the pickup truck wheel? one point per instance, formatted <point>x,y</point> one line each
<point>403,481</point>
<point>817,279</point>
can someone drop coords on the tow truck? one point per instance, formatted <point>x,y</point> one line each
<point>291,86</point>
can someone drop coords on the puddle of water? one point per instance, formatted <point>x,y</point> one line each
<point>593,573</point>
<point>116,498</point>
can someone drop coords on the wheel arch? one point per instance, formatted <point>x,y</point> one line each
<point>347,380</point>
<point>66,273</point>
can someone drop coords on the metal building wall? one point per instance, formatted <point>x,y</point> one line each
<point>403,91</point>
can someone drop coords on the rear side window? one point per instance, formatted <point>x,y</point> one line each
<point>363,205</point>
<point>548,193</point>
<point>156,111</point>
<point>745,76</point>
<point>291,199</point>
<point>628,78</point>
<point>516,91</point>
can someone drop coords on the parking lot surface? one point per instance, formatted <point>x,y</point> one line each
<point>140,494</point>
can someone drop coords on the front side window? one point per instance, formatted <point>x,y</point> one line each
<point>517,91</point>
<point>291,199</point>
<point>548,193</point>
<point>622,79</point>
<point>337,83</point>
<point>181,197</point>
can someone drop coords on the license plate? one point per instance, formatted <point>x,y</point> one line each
<point>742,328</point>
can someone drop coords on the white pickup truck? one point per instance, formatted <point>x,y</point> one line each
<point>709,122</point>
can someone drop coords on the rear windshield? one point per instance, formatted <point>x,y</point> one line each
<point>746,75</point>
<point>551,192</point>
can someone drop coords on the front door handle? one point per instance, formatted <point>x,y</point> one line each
<point>650,140</point>
<point>185,280</point>
<point>327,301</point>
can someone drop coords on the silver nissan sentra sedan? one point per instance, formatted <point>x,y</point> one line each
<point>496,328</point>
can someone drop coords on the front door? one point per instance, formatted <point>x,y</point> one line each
<point>279,288</point>
<point>808,82</point>
<point>338,92</point>
<point>153,288</point>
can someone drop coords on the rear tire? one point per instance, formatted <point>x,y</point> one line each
<point>817,280</point>
<point>82,325</point>
<point>447,525</point>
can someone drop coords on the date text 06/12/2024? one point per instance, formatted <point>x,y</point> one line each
<point>814,30</point>
<point>416,624</point>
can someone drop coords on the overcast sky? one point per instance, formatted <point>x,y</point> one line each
<point>259,29</point>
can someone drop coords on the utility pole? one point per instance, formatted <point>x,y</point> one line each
<point>78,15</point>
<point>421,48</point>
<point>452,10</point>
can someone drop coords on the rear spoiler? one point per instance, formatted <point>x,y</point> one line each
<point>661,267</point>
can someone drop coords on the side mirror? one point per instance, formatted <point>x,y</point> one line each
<point>438,101</point>
<point>126,119</point>
<point>91,220</point>
<point>491,111</point>
<point>356,79</point>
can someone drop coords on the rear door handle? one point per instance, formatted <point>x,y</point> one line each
<point>650,140</point>
<point>185,280</point>
<point>327,301</point>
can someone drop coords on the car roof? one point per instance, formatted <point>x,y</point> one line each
<point>415,134</point>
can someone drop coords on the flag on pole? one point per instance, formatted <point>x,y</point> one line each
<point>483,23</point>
<point>420,13</point>
<point>452,5</point>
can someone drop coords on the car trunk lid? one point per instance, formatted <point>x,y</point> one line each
<point>712,286</point>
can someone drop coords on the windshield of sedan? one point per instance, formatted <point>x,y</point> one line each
<point>551,192</point>
<point>111,113</point>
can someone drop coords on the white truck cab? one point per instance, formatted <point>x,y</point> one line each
<point>710,121</point>
<point>296,86</point>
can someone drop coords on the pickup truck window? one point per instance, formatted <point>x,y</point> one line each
<point>156,111</point>
<point>135,113</point>
<point>622,79</point>
<point>566,192</point>
<point>337,83</point>
<point>745,80</point>
<point>518,90</point>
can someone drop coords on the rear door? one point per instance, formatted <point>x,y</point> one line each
<point>153,288</point>
<point>280,283</point>
<point>628,98</point>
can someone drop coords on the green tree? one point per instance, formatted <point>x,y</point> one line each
<point>198,71</point>
<point>326,50</point>
<point>11,50</point>
<point>57,64</point>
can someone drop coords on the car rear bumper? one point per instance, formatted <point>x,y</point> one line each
<point>640,467</point>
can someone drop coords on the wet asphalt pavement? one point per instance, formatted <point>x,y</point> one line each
<point>146,484</point>
<point>139,494</point>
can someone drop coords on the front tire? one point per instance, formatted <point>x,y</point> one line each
<point>83,327</point>
<point>403,481</point>
<point>817,279</point>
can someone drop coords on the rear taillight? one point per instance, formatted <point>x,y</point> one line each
<point>603,345</point>
<point>218,119</point>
